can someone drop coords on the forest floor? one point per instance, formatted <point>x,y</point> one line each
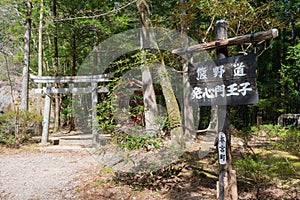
<point>110,173</point>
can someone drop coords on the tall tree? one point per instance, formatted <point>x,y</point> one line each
<point>188,109</point>
<point>40,63</point>
<point>173,109</point>
<point>55,66</point>
<point>25,76</point>
<point>148,89</point>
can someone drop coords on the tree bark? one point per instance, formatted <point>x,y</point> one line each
<point>149,98</point>
<point>293,24</point>
<point>25,76</point>
<point>177,137</point>
<point>73,71</point>
<point>189,125</point>
<point>40,47</point>
<point>38,128</point>
<point>10,82</point>
<point>55,66</point>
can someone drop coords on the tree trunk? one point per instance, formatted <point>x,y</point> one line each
<point>55,65</point>
<point>38,128</point>
<point>10,82</point>
<point>40,48</point>
<point>149,98</point>
<point>25,76</point>
<point>177,136</point>
<point>293,24</point>
<point>73,71</point>
<point>187,110</point>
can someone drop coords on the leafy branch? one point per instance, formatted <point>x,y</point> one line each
<point>100,15</point>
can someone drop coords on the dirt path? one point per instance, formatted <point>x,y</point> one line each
<point>42,175</point>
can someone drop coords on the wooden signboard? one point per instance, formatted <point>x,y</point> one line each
<point>229,81</point>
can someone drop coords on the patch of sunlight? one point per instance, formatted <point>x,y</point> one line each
<point>107,170</point>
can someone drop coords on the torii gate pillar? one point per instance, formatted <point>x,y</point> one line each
<point>47,108</point>
<point>94,114</point>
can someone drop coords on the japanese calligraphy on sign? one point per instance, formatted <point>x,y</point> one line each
<point>222,148</point>
<point>228,81</point>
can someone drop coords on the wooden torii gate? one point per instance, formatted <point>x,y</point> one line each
<point>227,189</point>
<point>70,80</point>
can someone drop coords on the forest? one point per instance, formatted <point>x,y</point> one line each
<point>136,90</point>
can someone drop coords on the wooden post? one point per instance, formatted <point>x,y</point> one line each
<point>233,183</point>
<point>250,38</point>
<point>227,183</point>
<point>259,120</point>
<point>94,113</point>
<point>45,134</point>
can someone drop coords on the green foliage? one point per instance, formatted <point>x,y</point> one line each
<point>67,110</point>
<point>285,166</point>
<point>289,140</point>
<point>268,129</point>
<point>266,168</point>
<point>278,68</point>
<point>273,130</point>
<point>17,128</point>
<point>105,117</point>
<point>6,129</point>
<point>247,133</point>
<point>263,167</point>
<point>243,17</point>
<point>253,169</point>
<point>8,140</point>
<point>3,77</point>
<point>290,73</point>
<point>26,121</point>
<point>106,170</point>
<point>10,27</point>
<point>129,142</point>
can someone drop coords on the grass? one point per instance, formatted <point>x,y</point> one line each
<point>288,164</point>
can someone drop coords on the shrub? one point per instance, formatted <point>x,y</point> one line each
<point>17,128</point>
<point>254,171</point>
<point>289,140</point>
<point>105,116</point>
<point>272,130</point>
<point>130,142</point>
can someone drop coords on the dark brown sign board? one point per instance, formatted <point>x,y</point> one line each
<point>229,81</point>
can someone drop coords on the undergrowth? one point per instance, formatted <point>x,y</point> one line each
<point>130,142</point>
<point>17,127</point>
<point>261,167</point>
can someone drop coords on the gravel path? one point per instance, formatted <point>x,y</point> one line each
<point>41,175</point>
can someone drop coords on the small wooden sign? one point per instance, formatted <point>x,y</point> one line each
<point>229,81</point>
<point>222,148</point>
